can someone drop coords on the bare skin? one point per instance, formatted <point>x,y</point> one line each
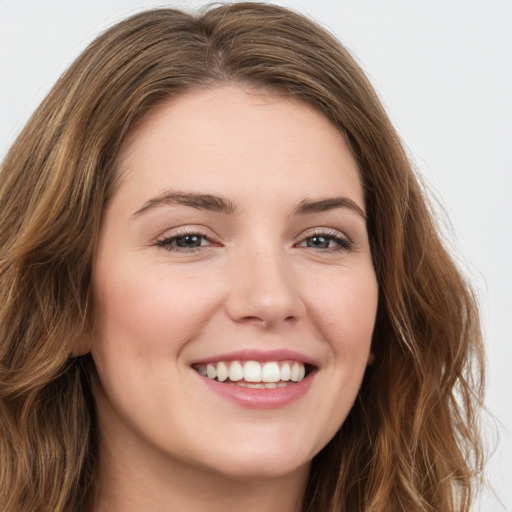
<point>237,236</point>
<point>145,488</point>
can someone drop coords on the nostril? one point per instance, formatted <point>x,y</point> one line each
<point>266,321</point>
<point>254,320</point>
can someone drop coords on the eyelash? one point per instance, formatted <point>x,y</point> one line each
<point>343,242</point>
<point>167,242</point>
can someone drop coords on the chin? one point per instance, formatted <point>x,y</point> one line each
<point>256,463</point>
<point>263,469</point>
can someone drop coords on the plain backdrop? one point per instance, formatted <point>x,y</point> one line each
<point>443,69</point>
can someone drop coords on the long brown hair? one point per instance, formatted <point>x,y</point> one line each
<point>410,443</point>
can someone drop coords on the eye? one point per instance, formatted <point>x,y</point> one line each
<point>326,241</point>
<point>186,242</point>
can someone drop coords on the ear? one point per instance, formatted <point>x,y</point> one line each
<point>82,345</point>
<point>371,358</point>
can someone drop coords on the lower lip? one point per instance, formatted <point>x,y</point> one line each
<point>252,398</point>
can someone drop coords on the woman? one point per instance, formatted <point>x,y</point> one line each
<point>223,287</point>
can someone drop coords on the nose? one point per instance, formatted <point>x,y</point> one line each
<point>263,290</point>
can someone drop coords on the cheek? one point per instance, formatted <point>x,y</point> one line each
<point>344,309</point>
<point>143,321</point>
<point>150,310</point>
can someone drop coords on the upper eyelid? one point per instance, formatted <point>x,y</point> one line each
<point>210,234</point>
<point>168,243</point>
<point>187,230</point>
<point>325,231</point>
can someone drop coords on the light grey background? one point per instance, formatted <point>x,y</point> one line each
<point>443,69</point>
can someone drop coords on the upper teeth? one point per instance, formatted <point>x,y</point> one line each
<point>253,371</point>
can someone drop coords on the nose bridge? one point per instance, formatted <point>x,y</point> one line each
<point>262,286</point>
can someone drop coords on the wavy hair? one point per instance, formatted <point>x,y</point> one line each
<point>411,442</point>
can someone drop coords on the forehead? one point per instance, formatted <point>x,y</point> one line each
<point>229,139</point>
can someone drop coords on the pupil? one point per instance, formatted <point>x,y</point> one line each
<point>319,242</point>
<point>188,241</point>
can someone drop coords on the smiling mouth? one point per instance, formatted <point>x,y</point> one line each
<point>254,374</point>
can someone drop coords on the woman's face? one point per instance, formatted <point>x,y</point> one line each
<point>233,257</point>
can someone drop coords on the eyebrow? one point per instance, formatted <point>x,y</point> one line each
<point>308,206</point>
<point>198,201</point>
<point>224,205</point>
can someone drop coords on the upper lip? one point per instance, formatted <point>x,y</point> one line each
<point>261,356</point>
